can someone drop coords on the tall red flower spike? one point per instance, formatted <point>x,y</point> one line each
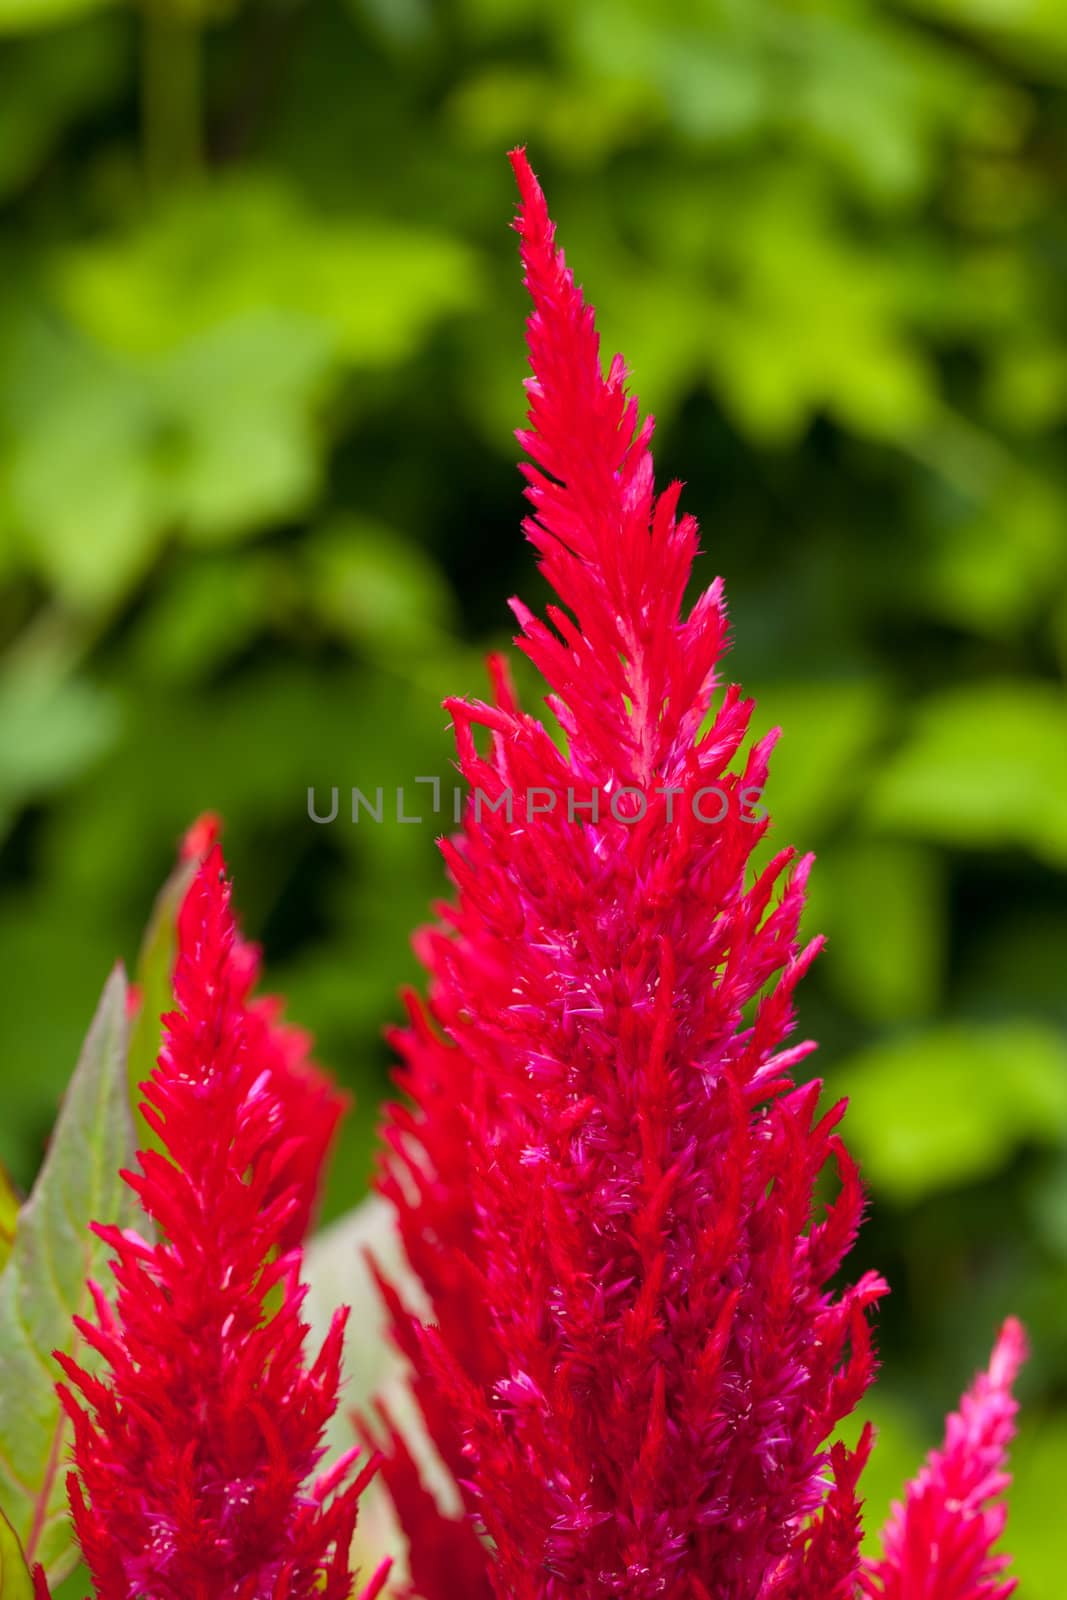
<point>939,1544</point>
<point>195,1448</point>
<point>605,1177</point>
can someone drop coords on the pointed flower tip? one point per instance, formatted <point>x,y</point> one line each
<point>520,165</point>
<point>941,1540</point>
<point>1009,1354</point>
<point>533,218</point>
<point>199,838</point>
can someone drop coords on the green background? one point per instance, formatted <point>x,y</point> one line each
<point>260,360</point>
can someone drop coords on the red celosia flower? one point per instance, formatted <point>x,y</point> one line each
<point>312,1106</point>
<point>939,1544</point>
<point>606,1176</point>
<point>195,1447</point>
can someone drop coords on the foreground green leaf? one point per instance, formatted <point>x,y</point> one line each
<point>9,1212</point>
<point>15,1580</point>
<point>44,1282</point>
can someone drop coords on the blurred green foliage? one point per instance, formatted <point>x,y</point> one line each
<point>260,360</point>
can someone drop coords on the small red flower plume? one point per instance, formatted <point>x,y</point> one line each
<point>939,1542</point>
<point>606,1175</point>
<point>311,1105</point>
<point>195,1449</point>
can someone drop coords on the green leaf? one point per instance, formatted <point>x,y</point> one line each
<point>241,404</point>
<point>79,1586</point>
<point>15,1580</point>
<point>952,1104</point>
<point>44,1282</point>
<point>812,327</point>
<point>89,450</point>
<point>9,1213</point>
<point>248,247</point>
<point>986,765</point>
<point>214,438</point>
<point>1035,31</point>
<point>51,729</point>
<point>26,16</point>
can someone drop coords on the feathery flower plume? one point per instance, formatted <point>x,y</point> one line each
<point>311,1105</point>
<point>195,1448</point>
<point>939,1542</point>
<point>605,1175</point>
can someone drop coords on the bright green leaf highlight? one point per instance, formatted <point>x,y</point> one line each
<point>986,764</point>
<point>181,389</point>
<point>952,1104</point>
<point>51,729</point>
<point>15,1580</point>
<point>9,1213</point>
<point>214,255</point>
<point>44,1282</point>
<point>211,438</point>
<point>24,16</point>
